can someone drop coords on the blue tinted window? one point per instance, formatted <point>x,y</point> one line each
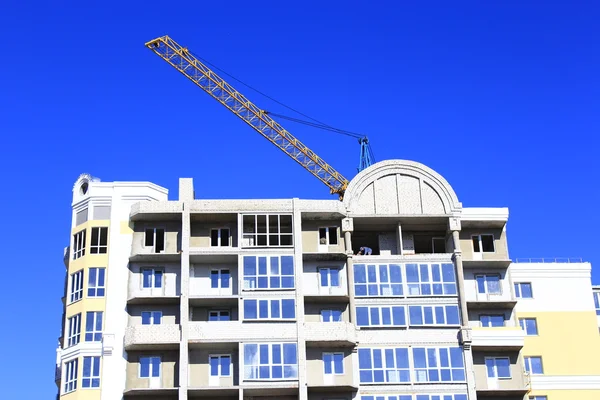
<point>275,272</point>
<point>269,309</point>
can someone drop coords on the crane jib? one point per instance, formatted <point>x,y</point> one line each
<point>182,60</point>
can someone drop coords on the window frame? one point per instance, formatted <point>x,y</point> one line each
<point>254,236</point>
<point>486,283</point>
<point>427,369</point>
<point>384,370</point>
<point>94,373</point>
<point>438,238</point>
<point>322,319</point>
<point>93,282</point>
<point>384,289</point>
<point>430,284</point>
<point>97,318</point>
<point>71,375</point>
<point>490,320</point>
<point>519,290</point>
<point>480,243</point>
<point>154,230</point>
<point>252,282</point>
<point>434,315</point>
<point>270,303</point>
<point>79,239</point>
<point>329,270</point>
<point>523,325</point>
<point>528,364</point>
<point>154,270</point>
<point>152,317</point>
<point>332,363</point>
<point>220,240</point>
<point>73,333</point>
<point>219,313</point>
<point>150,367</point>
<point>495,368</point>
<point>219,368</point>
<point>380,316</point>
<point>544,397</point>
<point>76,292</point>
<point>255,369</point>
<point>596,296</point>
<point>327,236</point>
<point>99,248</point>
<point>220,275</point>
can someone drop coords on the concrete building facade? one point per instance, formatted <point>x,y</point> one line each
<point>268,299</point>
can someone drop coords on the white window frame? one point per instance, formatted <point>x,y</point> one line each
<point>76,286</point>
<point>153,279</point>
<point>328,236</point>
<point>496,368</point>
<point>255,368</point>
<point>251,282</point>
<point>332,363</point>
<point>382,287</point>
<point>220,238</point>
<point>480,242</point>
<point>150,368</point>
<point>433,314</point>
<point>491,315</point>
<point>152,317</point>
<point>70,378</point>
<point>98,248</point>
<point>154,229</point>
<point>438,367</point>
<point>94,374</point>
<point>73,330</point>
<point>596,302</point>
<point>94,286</point>
<point>527,362</point>
<point>94,331</point>
<point>219,313</point>
<point>331,309</point>
<point>220,272</point>
<point>220,372</point>
<point>410,286</point>
<point>269,309</point>
<point>388,372</point>
<point>329,269</point>
<point>486,286</point>
<point>523,325</point>
<point>250,239</point>
<point>519,291</point>
<point>538,397</point>
<point>380,315</point>
<point>79,244</point>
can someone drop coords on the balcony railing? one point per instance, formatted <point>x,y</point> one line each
<point>143,335</point>
<point>561,260</point>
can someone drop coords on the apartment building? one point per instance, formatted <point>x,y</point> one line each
<point>268,299</point>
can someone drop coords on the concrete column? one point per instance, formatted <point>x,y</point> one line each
<point>399,238</point>
<point>460,279</point>
<point>348,228</point>
<point>298,272</point>
<point>184,308</point>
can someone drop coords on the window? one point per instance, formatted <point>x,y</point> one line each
<point>220,237</point>
<point>491,321</point>
<point>333,363</point>
<point>328,236</point>
<point>418,397</point>
<point>70,376</point>
<point>433,315</point>
<point>79,244</point>
<point>219,315</point>
<point>270,361</point>
<point>93,326</point>
<point>383,365</point>
<point>76,286</point>
<point>91,372</point>
<point>331,315</point>
<point>438,244</point>
<point>74,332</point>
<point>220,365</point>
<point>523,290</point>
<point>149,367</point>
<point>276,272</point>
<point>151,317</point>
<point>529,325</point>
<point>219,278</point>
<point>439,364</point>
<point>488,284</point>
<point>597,302</point>
<point>498,367</point>
<point>430,279</point>
<point>155,238</point>
<point>380,316</point>
<point>270,309</point>
<point>538,397</point>
<point>329,277</point>
<point>152,278</point>
<point>377,280</point>
<point>99,241</point>
<point>267,230</point>
<point>483,243</point>
<point>96,282</point>
<point>390,397</point>
<point>533,365</point>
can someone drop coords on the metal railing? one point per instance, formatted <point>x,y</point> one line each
<point>551,260</point>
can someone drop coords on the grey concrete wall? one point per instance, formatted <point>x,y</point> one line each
<point>315,367</point>
<point>517,380</point>
<point>171,280</point>
<point>500,245</point>
<point>170,313</point>
<point>172,236</point>
<point>313,311</point>
<point>200,314</point>
<point>310,235</point>
<point>200,368</point>
<point>200,232</point>
<point>169,369</point>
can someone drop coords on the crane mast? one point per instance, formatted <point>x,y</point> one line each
<point>183,61</point>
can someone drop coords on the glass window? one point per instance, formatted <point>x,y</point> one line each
<point>274,272</point>
<point>155,238</point>
<point>533,365</point>
<point>329,277</point>
<point>378,280</point>
<point>99,243</point>
<point>523,290</point>
<point>380,316</point>
<point>383,365</point>
<point>76,292</point>
<point>219,278</point>
<point>328,236</point>
<point>220,237</point>
<point>433,315</point>
<point>483,243</point>
<point>267,230</point>
<point>331,315</point>
<point>74,331</point>
<point>538,397</point>
<point>151,317</point>
<point>395,397</point>
<point>489,284</point>
<point>333,363</point>
<point>439,364</point>
<point>152,278</point>
<point>270,361</point>
<point>149,367</point>
<point>70,376</point>
<point>269,309</point>
<point>220,365</point>
<point>430,279</point>
<point>79,244</point>
<point>498,367</point>
<point>219,315</point>
<point>93,326</point>
<point>491,321</point>
<point>91,372</point>
<point>597,302</point>
<point>529,325</point>
<point>96,282</point>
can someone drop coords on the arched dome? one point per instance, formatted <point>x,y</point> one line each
<point>400,187</point>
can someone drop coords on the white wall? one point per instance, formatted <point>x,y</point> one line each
<point>200,280</point>
<point>171,281</point>
<point>311,278</point>
<point>471,284</point>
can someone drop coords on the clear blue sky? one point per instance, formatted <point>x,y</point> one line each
<point>501,99</point>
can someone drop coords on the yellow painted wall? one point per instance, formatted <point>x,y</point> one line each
<point>568,343</point>
<point>567,394</point>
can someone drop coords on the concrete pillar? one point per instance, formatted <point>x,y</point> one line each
<point>184,308</point>
<point>460,279</point>
<point>298,272</point>
<point>348,228</point>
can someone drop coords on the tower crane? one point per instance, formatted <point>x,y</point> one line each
<point>185,62</point>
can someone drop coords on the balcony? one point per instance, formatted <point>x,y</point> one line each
<point>328,334</point>
<point>508,338</point>
<point>162,336</point>
<point>518,385</point>
<point>490,301</point>
<point>156,210</point>
<point>236,331</point>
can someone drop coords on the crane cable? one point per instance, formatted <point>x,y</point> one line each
<point>315,124</point>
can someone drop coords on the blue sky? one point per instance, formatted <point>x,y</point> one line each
<point>501,99</point>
